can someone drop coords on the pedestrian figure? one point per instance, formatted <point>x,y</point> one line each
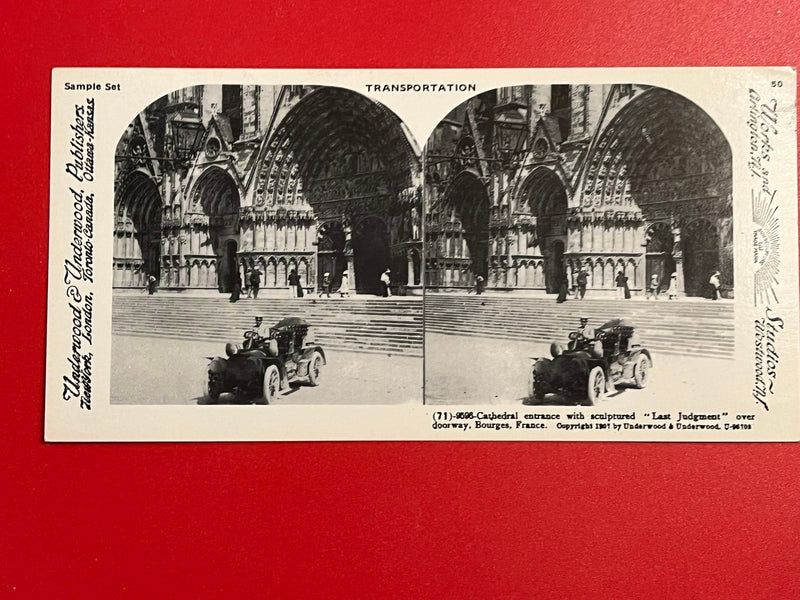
<point>653,289</point>
<point>581,280</point>
<point>326,285</point>
<point>344,288</point>
<point>622,283</point>
<point>480,284</point>
<point>672,290</point>
<point>627,290</point>
<point>563,287</point>
<point>713,284</point>
<point>385,283</point>
<point>293,283</point>
<point>237,288</point>
<point>151,284</point>
<point>255,282</point>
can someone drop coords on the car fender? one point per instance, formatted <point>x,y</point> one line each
<point>591,363</point>
<point>217,365</point>
<point>627,372</point>
<point>309,350</point>
<point>635,354</point>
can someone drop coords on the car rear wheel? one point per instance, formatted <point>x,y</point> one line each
<point>315,368</point>
<point>641,371</point>
<point>596,385</point>
<point>272,384</point>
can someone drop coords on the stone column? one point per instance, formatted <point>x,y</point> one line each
<point>183,275</point>
<point>677,254</point>
<point>410,258</point>
<point>351,271</point>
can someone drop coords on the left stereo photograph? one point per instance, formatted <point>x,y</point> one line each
<point>265,250</point>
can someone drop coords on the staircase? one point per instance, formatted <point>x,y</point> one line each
<point>686,327</point>
<point>356,324</point>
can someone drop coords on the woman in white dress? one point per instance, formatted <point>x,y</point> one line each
<point>344,288</point>
<point>672,291</point>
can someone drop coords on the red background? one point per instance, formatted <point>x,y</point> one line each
<point>399,520</point>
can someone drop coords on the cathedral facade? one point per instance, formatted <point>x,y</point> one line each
<point>214,181</point>
<point>528,185</point>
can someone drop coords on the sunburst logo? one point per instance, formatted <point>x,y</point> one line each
<point>766,247</point>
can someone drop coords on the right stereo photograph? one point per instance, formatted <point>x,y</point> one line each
<point>578,246</point>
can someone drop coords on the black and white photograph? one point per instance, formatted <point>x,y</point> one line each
<point>578,247</point>
<point>267,250</point>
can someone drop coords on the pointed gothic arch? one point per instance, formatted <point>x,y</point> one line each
<point>137,230</point>
<point>664,156</point>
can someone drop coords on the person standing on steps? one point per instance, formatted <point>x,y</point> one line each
<point>386,282</point>
<point>480,284</point>
<point>581,280</point>
<point>713,284</point>
<point>326,285</point>
<point>246,285</point>
<point>237,288</point>
<point>294,283</point>
<point>255,281</point>
<point>672,290</point>
<point>653,289</point>
<point>344,288</point>
<point>621,283</point>
<point>563,289</point>
<point>152,282</point>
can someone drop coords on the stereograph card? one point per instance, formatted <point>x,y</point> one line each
<point>504,254</point>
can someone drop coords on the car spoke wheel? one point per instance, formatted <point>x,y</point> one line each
<point>315,368</point>
<point>641,371</point>
<point>272,384</point>
<point>596,385</point>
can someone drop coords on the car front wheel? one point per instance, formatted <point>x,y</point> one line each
<point>641,371</point>
<point>272,384</point>
<point>534,392</point>
<point>315,368</point>
<point>596,385</point>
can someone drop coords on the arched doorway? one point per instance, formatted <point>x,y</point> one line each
<point>371,255</point>
<point>352,162</point>
<point>137,231</point>
<point>469,200</point>
<point>701,256</point>
<point>330,253</point>
<point>658,256</point>
<point>228,266</point>
<point>547,199</point>
<point>218,198</point>
<point>554,266</point>
<point>665,156</point>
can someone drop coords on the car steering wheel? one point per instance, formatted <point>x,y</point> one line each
<point>577,337</point>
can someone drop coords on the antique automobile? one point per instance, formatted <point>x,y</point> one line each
<point>593,363</point>
<point>266,363</point>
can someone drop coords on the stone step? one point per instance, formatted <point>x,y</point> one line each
<point>372,325</point>
<point>677,336</point>
<point>696,327</point>
<point>656,348</point>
